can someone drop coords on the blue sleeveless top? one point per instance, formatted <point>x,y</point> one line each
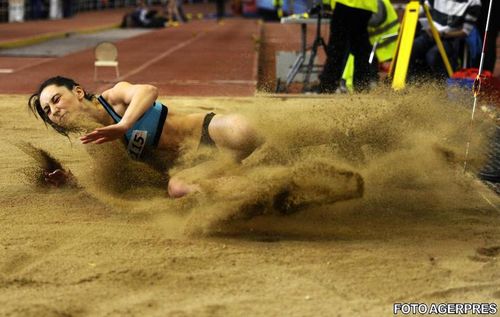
<point>146,131</point>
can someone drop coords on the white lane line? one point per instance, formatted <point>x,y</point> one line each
<point>165,54</point>
<point>204,82</point>
<point>28,65</point>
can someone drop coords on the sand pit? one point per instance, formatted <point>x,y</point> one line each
<point>385,215</point>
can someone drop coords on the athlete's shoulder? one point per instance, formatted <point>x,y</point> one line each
<point>117,94</point>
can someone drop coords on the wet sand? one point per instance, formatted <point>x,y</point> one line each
<point>421,232</point>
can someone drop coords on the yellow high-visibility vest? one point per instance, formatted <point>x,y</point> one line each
<point>385,48</point>
<point>369,5</point>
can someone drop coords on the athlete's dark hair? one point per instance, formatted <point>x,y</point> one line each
<point>35,106</point>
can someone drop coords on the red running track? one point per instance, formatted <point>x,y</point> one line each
<point>200,58</point>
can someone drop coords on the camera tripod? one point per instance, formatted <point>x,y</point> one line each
<point>317,43</point>
<point>304,63</point>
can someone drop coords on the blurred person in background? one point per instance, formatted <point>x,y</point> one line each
<point>490,54</point>
<point>383,28</point>
<point>37,9</point>
<point>454,20</point>
<point>348,35</point>
<point>220,9</point>
<point>143,16</point>
<point>68,8</point>
<point>174,12</point>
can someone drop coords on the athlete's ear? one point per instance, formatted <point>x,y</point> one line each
<point>79,92</point>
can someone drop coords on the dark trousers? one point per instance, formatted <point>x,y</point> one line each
<point>36,9</point>
<point>348,34</point>
<point>490,54</point>
<point>67,6</point>
<point>220,6</point>
<point>425,56</point>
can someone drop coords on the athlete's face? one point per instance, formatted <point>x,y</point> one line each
<point>60,103</point>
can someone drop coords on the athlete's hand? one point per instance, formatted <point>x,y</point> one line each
<point>105,134</point>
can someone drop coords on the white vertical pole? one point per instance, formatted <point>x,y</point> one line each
<point>55,11</point>
<point>477,86</point>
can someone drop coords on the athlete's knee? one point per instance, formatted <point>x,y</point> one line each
<point>244,135</point>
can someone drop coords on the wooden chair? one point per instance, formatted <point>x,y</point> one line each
<point>106,55</point>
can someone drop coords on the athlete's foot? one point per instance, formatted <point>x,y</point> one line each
<point>318,183</point>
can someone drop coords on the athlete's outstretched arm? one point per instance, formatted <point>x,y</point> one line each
<point>135,99</point>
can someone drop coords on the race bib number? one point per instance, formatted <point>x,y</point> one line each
<point>137,143</point>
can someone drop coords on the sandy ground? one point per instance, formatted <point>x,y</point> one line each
<point>422,232</point>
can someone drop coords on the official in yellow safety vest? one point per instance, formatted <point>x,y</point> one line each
<point>383,28</point>
<point>369,5</point>
<point>348,35</point>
